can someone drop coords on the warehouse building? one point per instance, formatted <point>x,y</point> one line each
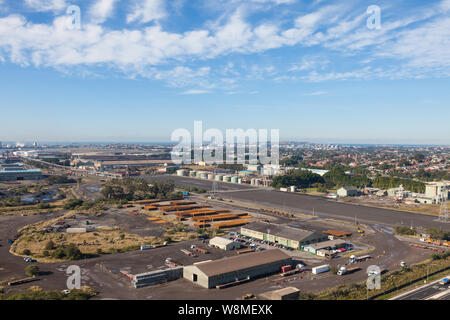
<point>224,244</point>
<point>285,235</point>
<point>210,274</point>
<point>19,174</point>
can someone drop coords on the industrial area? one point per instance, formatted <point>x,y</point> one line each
<point>193,234</point>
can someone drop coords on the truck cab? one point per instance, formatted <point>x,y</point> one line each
<point>342,271</point>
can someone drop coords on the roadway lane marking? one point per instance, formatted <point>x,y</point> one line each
<point>399,297</point>
<point>439,295</point>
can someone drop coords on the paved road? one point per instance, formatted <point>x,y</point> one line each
<point>324,208</point>
<point>427,292</point>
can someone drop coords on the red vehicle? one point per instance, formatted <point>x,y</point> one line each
<point>341,249</point>
<point>286,268</point>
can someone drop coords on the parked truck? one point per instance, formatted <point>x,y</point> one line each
<point>344,270</point>
<point>355,259</point>
<point>286,268</point>
<point>320,269</point>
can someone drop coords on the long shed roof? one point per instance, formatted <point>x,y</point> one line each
<point>240,262</point>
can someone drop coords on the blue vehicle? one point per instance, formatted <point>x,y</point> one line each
<point>444,281</point>
<point>10,241</point>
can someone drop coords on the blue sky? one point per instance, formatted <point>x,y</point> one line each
<point>137,70</point>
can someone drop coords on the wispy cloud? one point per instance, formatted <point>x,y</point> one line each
<point>144,11</point>
<point>195,92</point>
<point>142,46</point>
<point>316,93</point>
<point>46,5</point>
<point>102,10</point>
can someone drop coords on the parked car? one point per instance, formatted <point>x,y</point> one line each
<point>445,281</point>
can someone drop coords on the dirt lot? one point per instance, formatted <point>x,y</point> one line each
<point>389,251</point>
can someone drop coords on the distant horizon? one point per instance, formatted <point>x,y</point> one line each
<point>28,144</point>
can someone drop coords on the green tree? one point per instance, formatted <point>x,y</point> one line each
<point>32,270</point>
<point>50,245</point>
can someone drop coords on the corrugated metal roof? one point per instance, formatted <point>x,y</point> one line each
<point>239,262</point>
<point>285,232</point>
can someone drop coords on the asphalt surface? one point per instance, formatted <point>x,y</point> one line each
<point>427,292</point>
<point>322,207</point>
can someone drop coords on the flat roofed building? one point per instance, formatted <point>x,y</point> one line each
<point>288,293</point>
<point>285,235</point>
<point>248,266</point>
<point>326,245</point>
<point>224,244</point>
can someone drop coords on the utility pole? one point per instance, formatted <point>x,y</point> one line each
<point>443,213</point>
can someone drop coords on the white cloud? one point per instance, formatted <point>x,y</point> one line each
<point>416,40</point>
<point>102,10</point>
<point>46,5</point>
<point>195,92</point>
<point>310,63</point>
<point>316,93</point>
<point>144,11</point>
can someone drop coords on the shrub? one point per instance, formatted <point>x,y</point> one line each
<point>32,270</point>
<point>73,204</point>
<point>59,253</point>
<point>50,245</point>
<point>26,252</point>
<point>405,231</point>
<point>72,252</point>
<point>43,206</point>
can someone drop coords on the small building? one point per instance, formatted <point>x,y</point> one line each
<point>224,244</point>
<point>210,274</point>
<point>347,191</point>
<point>155,277</point>
<point>76,230</point>
<point>326,245</point>
<point>288,293</point>
<point>438,190</point>
<point>286,235</point>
